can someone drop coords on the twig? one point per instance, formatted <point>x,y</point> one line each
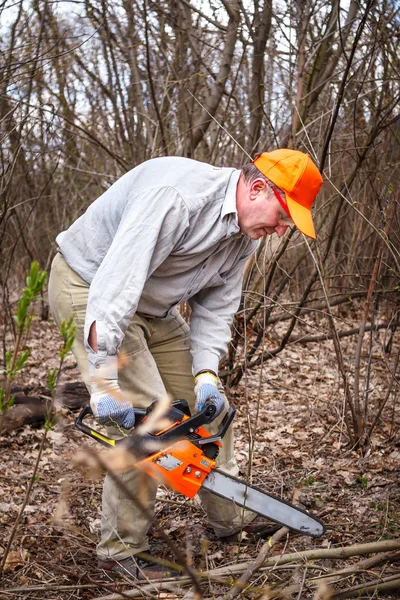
<point>386,398</point>
<point>156,587</point>
<point>67,330</point>
<point>56,588</point>
<point>301,586</point>
<point>25,502</point>
<point>364,564</point>
<point>215,574</point>
<point>361,412</point>
<point>303,339</point>
<point>348,405</point>
<point>340,95</point>
<point>385,585</point>
<point>254,566</point>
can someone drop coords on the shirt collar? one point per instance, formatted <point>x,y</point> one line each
<point>229,204</point>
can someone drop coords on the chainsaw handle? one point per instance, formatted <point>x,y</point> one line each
<point>96,435</point>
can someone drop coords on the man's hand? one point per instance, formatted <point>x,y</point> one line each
<point>109,406</point>
<point>206,388</point>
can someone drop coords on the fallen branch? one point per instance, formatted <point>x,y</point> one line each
<point>317,553</point>
<point>302,339</point>
<point>57,588</point>
<point>316,305</point>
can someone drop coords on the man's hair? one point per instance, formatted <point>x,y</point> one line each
<point>250,173</point>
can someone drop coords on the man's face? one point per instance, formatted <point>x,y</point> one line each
<point>260,213</point>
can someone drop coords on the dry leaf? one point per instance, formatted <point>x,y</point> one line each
<point>87,463</point>
<point>119,460</point>
<point>15,559</point>
<point>155,421</point>
<point>323,592</point>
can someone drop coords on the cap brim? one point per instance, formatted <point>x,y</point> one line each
<point>301,217</point>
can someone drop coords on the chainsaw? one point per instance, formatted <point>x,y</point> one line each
<point>183,456</point>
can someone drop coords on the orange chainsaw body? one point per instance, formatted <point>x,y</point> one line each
<point>185,451</point>
<point>181,466</point>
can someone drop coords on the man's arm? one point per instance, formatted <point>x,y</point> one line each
<point>147,233</point>
<point>149,229</point>
<point>213,310</point>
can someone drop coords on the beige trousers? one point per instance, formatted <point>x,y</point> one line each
<point>158,363</point>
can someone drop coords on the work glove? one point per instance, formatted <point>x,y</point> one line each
<point>107,402</point>
<point>109,407</point>
<point>206,389</point>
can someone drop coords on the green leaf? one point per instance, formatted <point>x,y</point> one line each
<point>49,422</point>
<point>362,481</point>
<point>51,379</point>
<point>67,330</point>
<point>5,405</point>
<point>22,360</point>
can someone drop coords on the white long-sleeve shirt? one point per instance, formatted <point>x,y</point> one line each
<point>165,232</point>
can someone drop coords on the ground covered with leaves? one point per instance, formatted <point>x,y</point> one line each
<point>291,440</point>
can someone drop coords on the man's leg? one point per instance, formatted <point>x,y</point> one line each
<point>124,526</point>
<point>170,347</point>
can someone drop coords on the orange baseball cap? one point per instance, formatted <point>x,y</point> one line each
<point>295,174</point>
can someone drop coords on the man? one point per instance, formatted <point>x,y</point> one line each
<point>172,229</point>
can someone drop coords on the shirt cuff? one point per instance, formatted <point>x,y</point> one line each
<point>102,367</point>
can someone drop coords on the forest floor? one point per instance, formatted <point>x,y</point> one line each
<point>290,411</point>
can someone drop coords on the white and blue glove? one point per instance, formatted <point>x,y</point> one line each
<point>109,406</point>
<point>207,389</point>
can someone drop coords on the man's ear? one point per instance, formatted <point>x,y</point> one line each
<point>257,186</point>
